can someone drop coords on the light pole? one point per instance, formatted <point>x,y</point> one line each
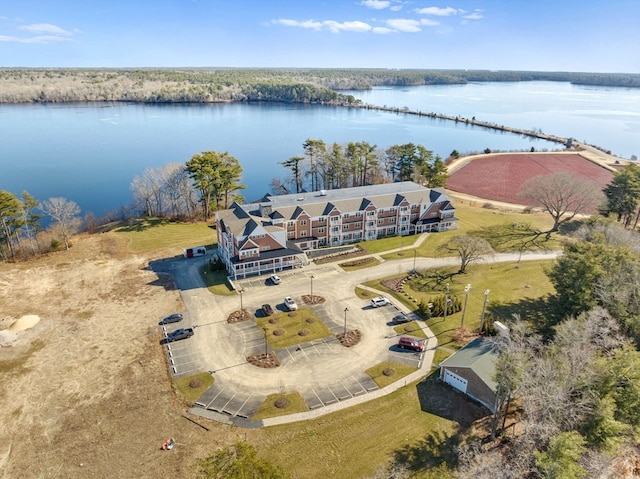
<point>446,303</point>
<point>345,320</point>
<point>467,288</point>
<point>266,343</point>
<point>312,301</point>
<point>241,304</point>
<point>484,306</point>
<point>414,260</point>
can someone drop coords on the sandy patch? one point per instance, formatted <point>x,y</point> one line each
<point>25,322</point>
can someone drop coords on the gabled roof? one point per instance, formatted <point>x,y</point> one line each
<point>399,200</point>
<point>480,355</point>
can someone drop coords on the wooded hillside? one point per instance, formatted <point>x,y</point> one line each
<point>207,85</point>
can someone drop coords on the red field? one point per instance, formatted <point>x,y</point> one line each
<point>499,177</point>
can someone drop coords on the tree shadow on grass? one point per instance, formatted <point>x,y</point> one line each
<point>540,312</point>
<point>142,224</point>
<point>513,237</point>
<point>436,447</point>
<point>431,451</point>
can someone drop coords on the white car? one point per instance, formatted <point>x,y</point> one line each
<point>379,301</point>
<point>290,303</point>
<point>275,279</point>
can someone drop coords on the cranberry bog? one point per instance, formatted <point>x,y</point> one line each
<point>499,177</point>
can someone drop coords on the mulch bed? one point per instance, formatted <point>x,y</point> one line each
<point>500,177</point>
<point>352,338</point>
<point>264,360</point>
<point>315,300</point>
<point>238,316</point>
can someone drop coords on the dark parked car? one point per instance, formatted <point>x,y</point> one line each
<point>400,318</point>
<point>267,309</point>
<point>179,334</point>
<point>414,344</point>
<point>174,318</point>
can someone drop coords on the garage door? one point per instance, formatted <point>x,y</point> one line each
<point>456,381</point>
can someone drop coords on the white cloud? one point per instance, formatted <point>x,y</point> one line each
<point>310,24</point>
<point>476,15</point>
<point>46,28</point>
<point>404,25</point>
<point>382,30</point>
<point>36,39</point>
<point>331,25</point>
<point>356,26</point>
<point>437,11</point>
<point>428,22</point>
<point>43,33</point>
<point>376,4</point>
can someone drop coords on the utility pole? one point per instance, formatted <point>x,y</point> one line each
<point>484,306</point>
<point>345,321</point>
<point>467,288</point>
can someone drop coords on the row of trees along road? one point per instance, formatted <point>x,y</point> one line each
<point>334,166</point>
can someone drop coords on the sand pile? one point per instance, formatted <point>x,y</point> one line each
<point>25,322</point>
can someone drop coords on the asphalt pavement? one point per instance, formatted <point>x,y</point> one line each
<point>328,375</point>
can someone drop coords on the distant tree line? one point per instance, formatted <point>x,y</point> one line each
<point>324,166</point>
<point>205,85</point>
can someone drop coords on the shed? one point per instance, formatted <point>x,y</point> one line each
<point>472,370</point>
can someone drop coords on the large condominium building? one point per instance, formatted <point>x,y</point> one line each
<point>274,233</point>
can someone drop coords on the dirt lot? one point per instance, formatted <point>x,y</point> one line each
<point>85,392</point>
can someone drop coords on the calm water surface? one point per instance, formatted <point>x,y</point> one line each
<point>90,153</point>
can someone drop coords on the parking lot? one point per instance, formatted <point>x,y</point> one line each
<point>322,371</point>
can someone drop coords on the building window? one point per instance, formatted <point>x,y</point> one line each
<point>358,225</point>
<point>345,216</point>
<point>334,219</point>
<point>320,230</point>
<point>303,222</point>
<point>335,229</point>
<point>371,213</point>
<point>266,248</point>
<point>381,221</point>
<point>303,233</point>
<point>358,214</point>
<point>322,219</point>
<point>291,233</point>
<point>345,227</point>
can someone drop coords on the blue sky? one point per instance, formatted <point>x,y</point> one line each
<point>543,35</point>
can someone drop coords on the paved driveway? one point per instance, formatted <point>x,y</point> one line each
<point>326,374</point>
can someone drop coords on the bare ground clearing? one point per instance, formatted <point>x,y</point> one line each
<point>85,392</point>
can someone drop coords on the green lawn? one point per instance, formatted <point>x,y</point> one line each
<point>149,234</point>
<point>189,393</point>
<point>386,373</point>
<point>290,325</point>
<point>501,229</point>
<point>280,405</point>
<point>513,289</point>
<point>357,441</point>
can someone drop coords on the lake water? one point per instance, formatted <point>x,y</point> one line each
<point>89,153</point>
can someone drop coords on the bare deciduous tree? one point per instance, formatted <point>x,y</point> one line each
<point>65,215</point>
<point>562,195</point>
<point>469,248</point>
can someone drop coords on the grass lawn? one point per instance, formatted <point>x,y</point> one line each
<point>495,226</point>
<point>397,371</point>
<point>216,281</point>
<point>410,329</point>
<point>357,441</point>
<point>289,325</point>
<point>148,234</point>
<point>353,266</point>
<point>513,289</point>
<point>385,244</point>
<point>280,405</point>
<point>191,394</point>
